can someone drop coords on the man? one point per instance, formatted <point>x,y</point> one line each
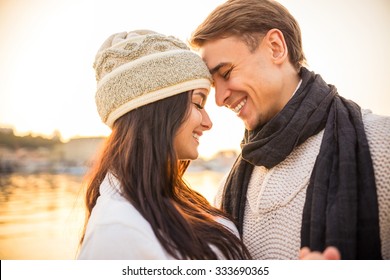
<point>314,167</point>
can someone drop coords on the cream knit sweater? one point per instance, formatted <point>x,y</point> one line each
<point>276,196</point>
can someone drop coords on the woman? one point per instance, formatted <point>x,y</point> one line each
<point>151,92</point>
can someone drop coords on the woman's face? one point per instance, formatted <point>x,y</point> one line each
<point>186,141</point>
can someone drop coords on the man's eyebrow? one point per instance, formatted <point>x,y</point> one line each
<point>219,66</point>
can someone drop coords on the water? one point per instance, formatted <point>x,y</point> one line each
<point>41,215</point>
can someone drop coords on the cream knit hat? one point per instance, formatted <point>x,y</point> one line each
<point>140,67</point>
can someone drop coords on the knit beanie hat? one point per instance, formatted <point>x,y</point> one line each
<point>140,67</point>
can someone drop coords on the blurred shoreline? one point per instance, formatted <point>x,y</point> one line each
<point>33,155</point>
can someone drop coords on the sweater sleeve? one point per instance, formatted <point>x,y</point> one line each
<point>378,136</point>
<point>121,242</point>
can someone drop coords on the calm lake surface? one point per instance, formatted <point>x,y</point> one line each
<point>41,215</point>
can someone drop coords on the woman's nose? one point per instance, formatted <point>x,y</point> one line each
<point>206,121</point>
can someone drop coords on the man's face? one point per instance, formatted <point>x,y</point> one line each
<point>248,83</point>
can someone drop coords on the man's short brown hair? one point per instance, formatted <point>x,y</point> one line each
<point>250,20</point>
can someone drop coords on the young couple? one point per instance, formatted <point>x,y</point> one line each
<point>312,174</point>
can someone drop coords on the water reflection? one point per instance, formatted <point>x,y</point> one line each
<point>41,215</point>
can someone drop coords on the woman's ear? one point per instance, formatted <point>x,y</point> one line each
<point>277,45</point>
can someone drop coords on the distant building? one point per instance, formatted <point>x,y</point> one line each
<point>79,151</point>
<point>24,160</point>
<point>222,161</point>
<point>7,160</point>
<point>6,130</point>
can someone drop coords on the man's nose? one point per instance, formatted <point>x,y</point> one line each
<point>221,93</point>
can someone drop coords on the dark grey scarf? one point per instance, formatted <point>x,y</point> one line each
<point>341,207</point>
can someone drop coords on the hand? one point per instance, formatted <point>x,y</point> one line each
<point>330,253</point>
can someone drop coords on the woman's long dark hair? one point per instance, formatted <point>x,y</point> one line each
<point>140,154</point>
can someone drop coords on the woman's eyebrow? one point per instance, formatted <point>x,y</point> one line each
<point>201,94</point>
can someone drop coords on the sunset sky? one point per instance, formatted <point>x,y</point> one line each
<point>47,49</point>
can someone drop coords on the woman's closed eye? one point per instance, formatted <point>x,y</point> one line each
<point>199,100</point>
<point>199,106</point>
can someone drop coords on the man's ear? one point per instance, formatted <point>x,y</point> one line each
<point>277,44</point>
